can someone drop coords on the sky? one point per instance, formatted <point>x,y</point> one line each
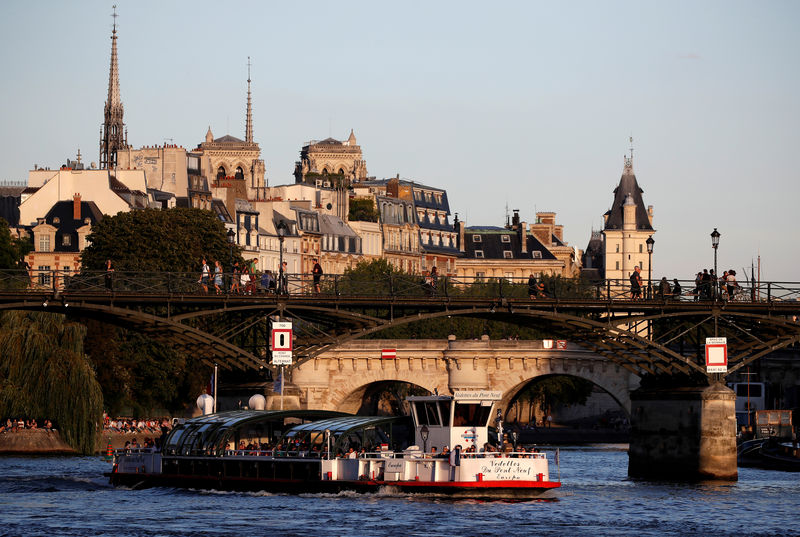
<point>526,105</point>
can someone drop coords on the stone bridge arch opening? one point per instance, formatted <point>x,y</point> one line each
<point>568,398</point>
<point>382,398</point>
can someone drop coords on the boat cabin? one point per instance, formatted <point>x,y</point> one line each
<point>458,420</point>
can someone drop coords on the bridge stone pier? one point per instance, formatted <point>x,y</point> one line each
<point>339,378</point>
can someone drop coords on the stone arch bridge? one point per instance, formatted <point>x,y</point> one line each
<point>338,379</point>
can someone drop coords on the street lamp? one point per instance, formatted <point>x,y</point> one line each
<point>650,242</point>
<point>231,237</point>
<point>423,433</point>
<point>281,235</point>
<point>715,245</point>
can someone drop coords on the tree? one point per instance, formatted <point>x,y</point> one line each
<point>362,210</point>
<point>45,375</point>
<point>12,249</point>
<point>172,240</point>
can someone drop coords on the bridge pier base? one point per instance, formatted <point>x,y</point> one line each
<point>684,433</point>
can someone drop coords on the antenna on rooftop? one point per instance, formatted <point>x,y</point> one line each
<point>631,140</point>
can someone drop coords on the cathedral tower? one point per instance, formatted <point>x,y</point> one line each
<point>112,136</point>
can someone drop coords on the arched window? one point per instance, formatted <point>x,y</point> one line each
<point>324,171</point>
<point>221,173</point>
<point>239,172</point>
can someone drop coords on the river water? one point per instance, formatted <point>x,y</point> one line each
<point>69,496</point>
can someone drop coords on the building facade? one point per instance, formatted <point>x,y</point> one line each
<point>324,162</point>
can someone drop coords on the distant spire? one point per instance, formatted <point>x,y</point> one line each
<point>352,139</point>
<point>114,135</point>
<point>248,134</point>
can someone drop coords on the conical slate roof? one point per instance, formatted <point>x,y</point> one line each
<point>628,186</point>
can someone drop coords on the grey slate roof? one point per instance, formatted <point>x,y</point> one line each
<point>492,244</point>
<point>628,185</point>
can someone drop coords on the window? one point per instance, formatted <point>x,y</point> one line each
<point>617,247</point>
<point>44,274</point>
<point>56,220</point>
<point>44,242</point>
<point>221,173</point>
<point>505,238</point>
<point>479,254</point>
<point>66,239</point>
<point>508,254</point>
<point>617,265</point>
<point>536,254</point>
<point>480,275</point>
<point>640,248</point>
<point>476,238</point>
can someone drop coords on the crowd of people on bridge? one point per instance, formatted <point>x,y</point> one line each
<point>707,286</point>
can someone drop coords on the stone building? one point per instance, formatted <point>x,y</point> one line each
<point>59,237</point>
<point>228,161</point>
<point>328,162</point>
<point>626,228</point>
<point>400,233</point>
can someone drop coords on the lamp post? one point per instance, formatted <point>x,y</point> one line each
<point>281,235</point>
<point>423,433</point>
<point>650,242</point>
<point>231,236</point>
<point>715,244</point>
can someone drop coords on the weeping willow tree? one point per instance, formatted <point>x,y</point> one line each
<point>44,374</point>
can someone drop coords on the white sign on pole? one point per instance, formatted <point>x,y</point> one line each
<point>716,355</point>
<point>282,343</point>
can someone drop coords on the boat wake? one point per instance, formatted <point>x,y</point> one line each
<point>45,484</point>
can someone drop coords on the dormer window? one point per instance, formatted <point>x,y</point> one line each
<point>479,254</point>
<point>476,238</point>
<point>56,220</point>
<point>66,240</point>
<point>505,238</point>
<point>508,254</point>
<point>536,254</point>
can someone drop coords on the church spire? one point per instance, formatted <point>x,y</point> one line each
<point>248,129</point>
<point>114,136</point>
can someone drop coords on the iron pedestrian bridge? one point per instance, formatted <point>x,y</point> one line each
<point>659,333</point>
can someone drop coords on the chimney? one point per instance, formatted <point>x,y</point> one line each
<point>76,206</point>
<point>523,235</point>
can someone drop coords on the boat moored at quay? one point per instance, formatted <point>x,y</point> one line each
<point>298,451</point>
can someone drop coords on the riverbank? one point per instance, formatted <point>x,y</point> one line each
<point>33,442</point>
<point>43,442</point>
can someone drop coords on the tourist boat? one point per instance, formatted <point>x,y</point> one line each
<point>326,452</point>
<point>767,450</point>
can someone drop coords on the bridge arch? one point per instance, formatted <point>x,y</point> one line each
<point>617,388</point>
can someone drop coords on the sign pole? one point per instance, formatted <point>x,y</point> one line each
<point>281,387</point>
<point>215,387</point>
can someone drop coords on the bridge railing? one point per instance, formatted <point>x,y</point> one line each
<point>389,285</point>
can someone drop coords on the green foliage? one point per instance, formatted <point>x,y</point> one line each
<point>45,375</point>
<point>139,375</point>
<point>362,210</point>
<point>12,249</point>
<point>172,240</point>
<point>546,392</point>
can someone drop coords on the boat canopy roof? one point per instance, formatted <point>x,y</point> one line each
<point>343,425</point>
<point>210,433</point>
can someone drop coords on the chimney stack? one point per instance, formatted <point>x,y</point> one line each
<point>76,206</point>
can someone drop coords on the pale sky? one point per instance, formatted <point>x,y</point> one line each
<point>525,104</point>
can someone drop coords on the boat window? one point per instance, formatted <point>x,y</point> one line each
<point>433,413</point>
<point>444,411</point>
<point>471,414</point>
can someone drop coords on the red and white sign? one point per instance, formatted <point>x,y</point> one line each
<point>561,344</point>
<point>547,343</point>
<point>716,355</point>
<point>388,354</point>
<point>282,343</point>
